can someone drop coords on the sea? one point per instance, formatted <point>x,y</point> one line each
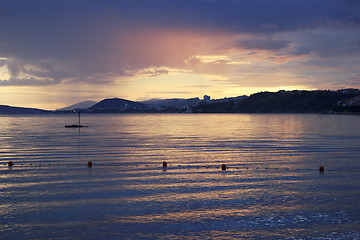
<point>271,187</point>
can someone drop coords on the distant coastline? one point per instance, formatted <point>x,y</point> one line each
<point>4,109</point>
<point>344,101</point>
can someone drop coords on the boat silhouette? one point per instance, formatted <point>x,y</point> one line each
<point>76,125</point>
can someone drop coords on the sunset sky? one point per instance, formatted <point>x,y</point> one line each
<point>54,53</point>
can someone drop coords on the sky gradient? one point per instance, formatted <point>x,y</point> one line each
<point>57,53</point>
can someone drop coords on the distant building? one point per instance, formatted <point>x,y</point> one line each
<point>206,98</point>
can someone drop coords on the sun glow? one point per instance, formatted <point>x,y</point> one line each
<point>212,58</point>
<point>4,73</point>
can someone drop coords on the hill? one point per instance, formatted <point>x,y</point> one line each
<point>80,105</point>
<point>296,101</point>
<point>117,105</point>
<point>4,109</point>
<point>171,105</point>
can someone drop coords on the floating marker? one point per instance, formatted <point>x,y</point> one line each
<point>164,164</point>
<point>10,163</point>
<point>89,163</point>
<point>321,169</point>
<point>223,167</point>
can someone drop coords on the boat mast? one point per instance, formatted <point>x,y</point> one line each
<point>79,116</point>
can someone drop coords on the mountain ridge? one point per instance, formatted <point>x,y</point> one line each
<point>296,101</point>
<point>115,105</point>
<point>80,105</point>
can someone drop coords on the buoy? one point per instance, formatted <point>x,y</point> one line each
<point>321,169</point>
<point>223,167</point>
<point>10,163</point>
<point>164,164</point>
<point>89,163</point>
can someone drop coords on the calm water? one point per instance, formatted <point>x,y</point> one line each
<point>271,190</point>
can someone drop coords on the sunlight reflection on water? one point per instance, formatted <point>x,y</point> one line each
<point>272,188</point>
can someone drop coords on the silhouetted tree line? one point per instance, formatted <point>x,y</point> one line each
<point>297,101</point>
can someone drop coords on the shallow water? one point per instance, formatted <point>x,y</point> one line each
<point>272,188</point>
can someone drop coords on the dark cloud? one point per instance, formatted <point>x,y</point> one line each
<point>329,44</point>
<point>149,72</point>
<point>2,62</point>
<point>97,40</point>
<point>299,51</point>
<point>264,44</point>
<point>354,81</point>
<point>28,82</point>
<point>156,72</point>
<point>80,29</point>
<point>14,67</point>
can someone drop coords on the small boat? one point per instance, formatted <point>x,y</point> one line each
<point>76,125</point>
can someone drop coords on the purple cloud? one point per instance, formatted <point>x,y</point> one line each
<point>264,44</point>
<point>96,41</point>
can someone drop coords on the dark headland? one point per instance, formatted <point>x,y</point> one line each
<point>4,109</point>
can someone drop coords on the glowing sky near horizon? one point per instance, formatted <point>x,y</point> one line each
<point>57,53</point>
